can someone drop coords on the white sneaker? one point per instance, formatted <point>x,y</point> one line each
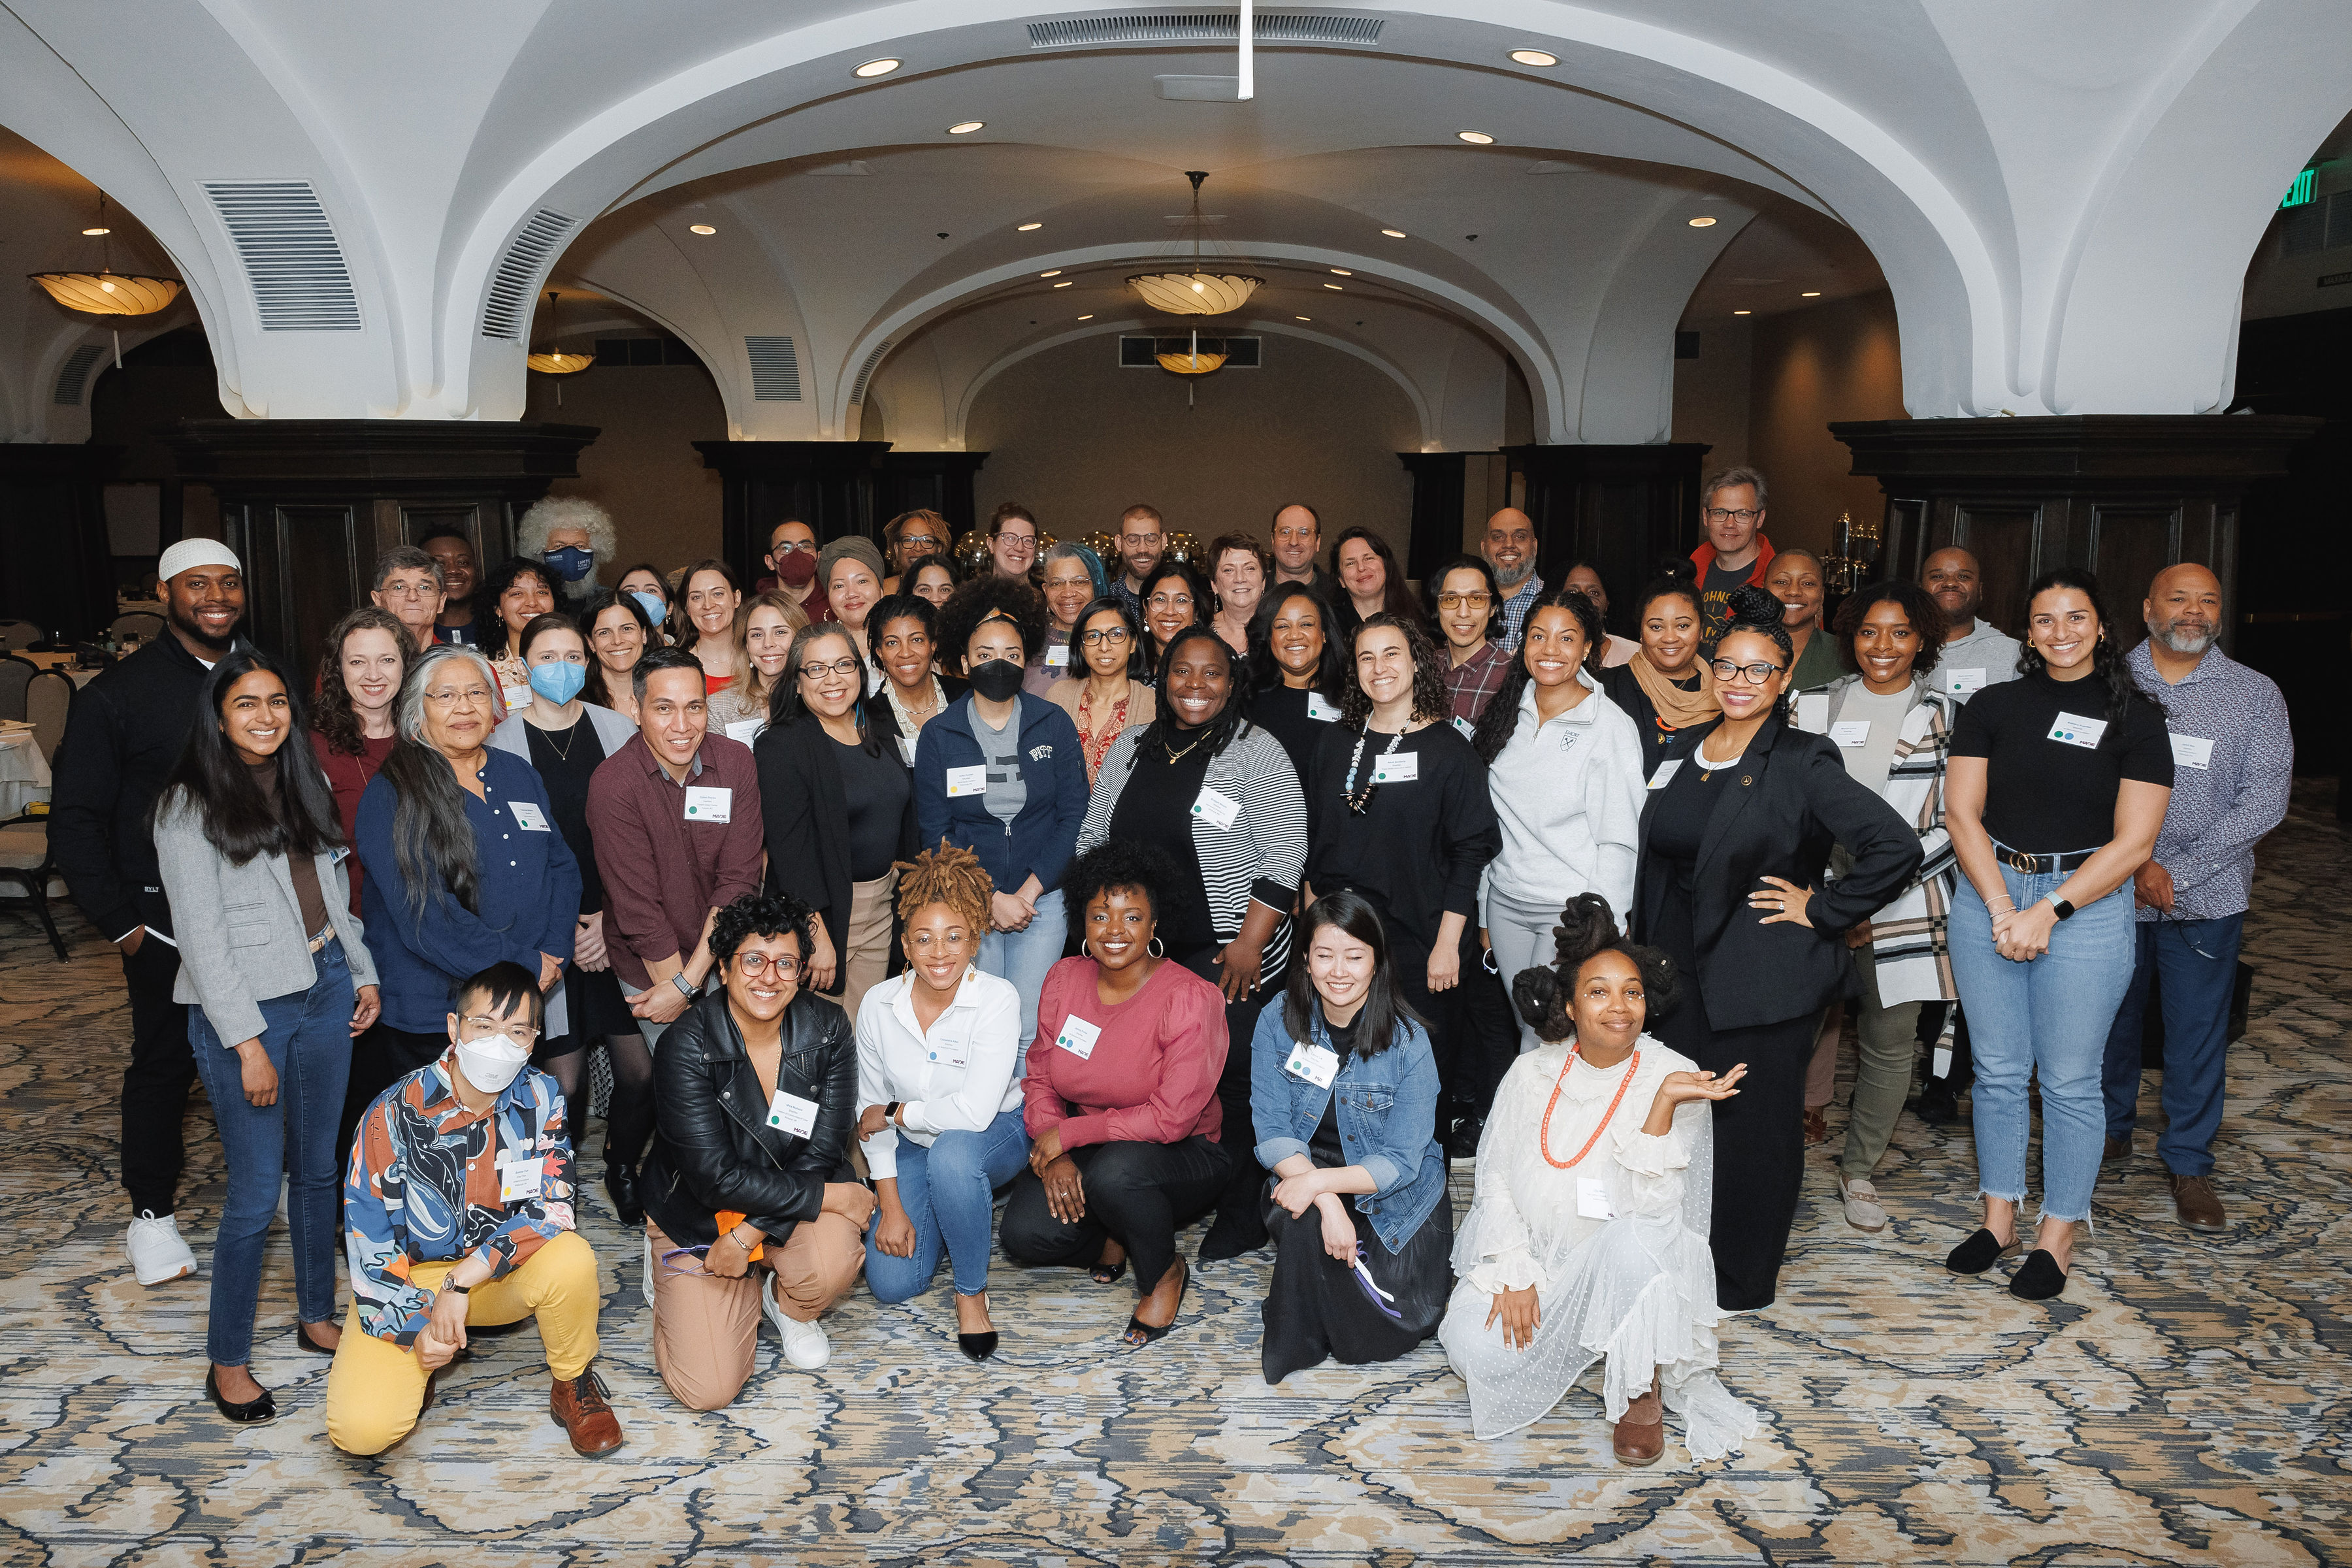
<point>805,1345</point>
<point>1860,1201</point>
<point>156,1252</point>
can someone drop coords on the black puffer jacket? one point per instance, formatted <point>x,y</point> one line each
<point>713,1149</point>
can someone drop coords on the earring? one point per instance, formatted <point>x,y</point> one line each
<point>1156,948</point>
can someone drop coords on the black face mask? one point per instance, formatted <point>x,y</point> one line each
<point>997,679</point>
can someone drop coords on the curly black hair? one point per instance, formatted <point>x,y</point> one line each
<point>1120,863</point>
<point>991,597</point>
<point>1919,606</point>
<point>1231,720</point>
<point>761,914</point>
<point>1500,719</point>
<point>1546,996</point>
<point>493,587</point>
<point>1429,699</point>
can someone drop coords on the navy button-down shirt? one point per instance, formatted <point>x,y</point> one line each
<point>2219,811</point>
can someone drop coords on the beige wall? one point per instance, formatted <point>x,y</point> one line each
<point>1077,438</point>
<point>1837,361</point>
<point>642,468</point>
<point>1711,391</point>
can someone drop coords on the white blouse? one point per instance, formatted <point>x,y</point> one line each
<point>961,1073</point>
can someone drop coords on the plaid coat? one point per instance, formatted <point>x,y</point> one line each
<point>1908,936</point>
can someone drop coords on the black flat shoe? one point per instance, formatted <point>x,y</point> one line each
<point>1232,1235</point>
<point>1981,1252</point>
<point>621,1187</point>
<point>252,1412</point>
<point>1107,1273</point>
<point>1139,1333</point>
<point>2038,1278</point>
<point>302,1333</point>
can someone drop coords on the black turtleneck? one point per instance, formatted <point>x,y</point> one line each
<point>1155,807</point>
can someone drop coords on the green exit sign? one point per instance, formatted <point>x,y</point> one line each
<point>2299,193</point>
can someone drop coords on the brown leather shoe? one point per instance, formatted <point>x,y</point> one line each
<point>1641,1435</point>
<point>2116,1149</point>
<point>580,1406</point>
<point>2199,1207</point>
<point>1817,1127</point>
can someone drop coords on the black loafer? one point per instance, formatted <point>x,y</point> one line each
<point>302,1333</point>
<point>2038,1278</point>
<point>621,1187</point>
<point>252,1412</point>
<point>1981,1252</point>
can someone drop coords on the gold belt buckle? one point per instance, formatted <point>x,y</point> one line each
<point>2018,860</point>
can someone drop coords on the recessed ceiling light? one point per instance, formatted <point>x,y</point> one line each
<point>1534,57</point>
<point>700,228</point>
<point>876,68</point>
<point>1701,222</point>
<point>1476,138</point>
<point>1302,317</point>
<point>1087,318</point>
<point>1739,312</point>
<point>1393,233</point>
<point>1056,272</point>
<point>1066,282</point>
<point>967,127</point>
<point>1811,294</point>
<point>97,231</point>
<point>1025,228</point>
<point>1343,272</point>
<point>1334,288</point>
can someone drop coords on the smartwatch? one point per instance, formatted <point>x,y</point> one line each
<point>2063,910</point>
<point>891,1113</point>
<point>688,991</point>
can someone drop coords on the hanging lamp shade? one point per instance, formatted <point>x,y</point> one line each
<point>555,361</point>
<point>1197,362</point>
<point>109,293</point>
<point>1193,293</point>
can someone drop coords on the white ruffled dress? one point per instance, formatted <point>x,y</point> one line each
<point>1637,1289</point>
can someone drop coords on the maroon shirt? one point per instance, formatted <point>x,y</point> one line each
<point>348,777</point>
<point>663,873</point>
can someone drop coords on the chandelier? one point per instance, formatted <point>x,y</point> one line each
<point>1196,293</point>
<point>1194,361</point>
<point>551,360</point>
<point>107,292</point>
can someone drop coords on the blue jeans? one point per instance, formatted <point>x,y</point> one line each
<point>949,1192</point>
<point>2046,1019</point>
<point>1024,956</point>
<point>308,1037</point>
<point>2196,962</point>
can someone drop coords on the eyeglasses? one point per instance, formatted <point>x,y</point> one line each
<point>1172,601</point>
<point>482,1024</point>
<point>924,941</point>
<point>789,545</point>
<point>755,964</point>
<point>920,543</point>
<point>443,696</point>
<point>408,590</point>
<point>1755,674</point>
<point>1108,636</point>
<point>1744,514</point>
<point>1464,601</point>
<point>844,665</point>
<point>1017,540</point>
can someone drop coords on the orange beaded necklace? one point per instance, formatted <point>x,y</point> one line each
<point>1543,1135</point>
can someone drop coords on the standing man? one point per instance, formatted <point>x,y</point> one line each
<point>125,734</point>
<point>1974,652</point>
<point>791,558</point>
<point>1509,547</point>
<point>455,551</point>
<point>1297,541</point>
<point>569,535</point>
<point>1734,553</point>
<point>674,816</point>
<point>2232,759</point>
<point>1585,578</point>
<point>408,589</point>
<point>1142,540</point>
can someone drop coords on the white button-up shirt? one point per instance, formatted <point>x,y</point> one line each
<point>899,1059</point>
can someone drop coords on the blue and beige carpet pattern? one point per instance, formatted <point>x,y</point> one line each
<point>2190,1400</point>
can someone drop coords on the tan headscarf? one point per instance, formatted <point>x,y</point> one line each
<point>1677,709</point>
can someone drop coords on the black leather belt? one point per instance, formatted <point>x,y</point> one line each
<point>2042,865</point>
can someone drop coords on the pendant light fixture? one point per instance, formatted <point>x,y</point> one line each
<point>551,360</point>
<point>107,292</point>
<point>1196,293</point>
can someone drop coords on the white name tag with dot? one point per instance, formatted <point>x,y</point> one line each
<point>517,696</point>
<point>1469,730</point>
<point>906,751</point>
<point>1322,708</point>
<point>518,1180</point>
<point>743,732</point>
<point>1058,657</point>
<point>531,819</point>
<point>2192,752</point>
<point>1593,1198</point>
<point>709,802</point>
<point>1318,1065</point>
<point>2076,730</point>
<point>1077,1036</point>
<point>1814,714</point>
<point>949,1049</point>
<point>973,780</point>
<point>1851,733</point>
<point>1665,773</point>
<point>1216,808</point>
<point>791,1113</point>
<point>1960,682</point>
<point>1398,767</point>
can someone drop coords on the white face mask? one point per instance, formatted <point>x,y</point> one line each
<point>492,1062</point>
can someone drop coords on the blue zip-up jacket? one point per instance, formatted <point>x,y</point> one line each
<point>1387,1119</point>
<point>1053,765</point>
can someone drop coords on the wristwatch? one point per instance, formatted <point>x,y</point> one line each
<point>684,989</point>
<point>2063,910</point>
<point>890,1112</point>
<point>452,1285</point>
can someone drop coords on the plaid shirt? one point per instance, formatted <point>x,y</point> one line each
<point>424,1187</point>
<point>2221,808</point>
<point>1516,608</point>
<point>1472,685</point>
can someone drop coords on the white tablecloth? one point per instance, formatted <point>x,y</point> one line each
<point>23,772</point>
<point>64,661</point>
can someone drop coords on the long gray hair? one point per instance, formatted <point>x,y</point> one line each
<point>432,842</point>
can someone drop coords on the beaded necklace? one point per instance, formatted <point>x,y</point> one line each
<point>1543,1135</point>
<point>1359,803</point>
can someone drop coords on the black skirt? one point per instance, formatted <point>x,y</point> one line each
<point>1316,1309</point>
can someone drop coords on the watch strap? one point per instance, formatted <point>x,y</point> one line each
<point>451,1285</point>
<point>2063,910</point>
<point>684,989</point>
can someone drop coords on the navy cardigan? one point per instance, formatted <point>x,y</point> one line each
<point>1039,841</point>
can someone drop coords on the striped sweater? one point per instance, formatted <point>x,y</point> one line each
<point>1908,936</point>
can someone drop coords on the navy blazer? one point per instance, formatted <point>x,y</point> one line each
<point>1040,840</point>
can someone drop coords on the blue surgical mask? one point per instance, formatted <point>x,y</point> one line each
<point>652,605</point>
<point>570,562</point>
<point>559,682</point>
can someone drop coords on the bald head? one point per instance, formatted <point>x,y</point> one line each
<point>1509,547</point>
<point>1950,577</point>
<point>2183,609</point>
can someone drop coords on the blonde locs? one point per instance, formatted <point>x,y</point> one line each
<point>948,875</point>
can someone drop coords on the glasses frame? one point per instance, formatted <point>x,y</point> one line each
<point>481,1024</point>
<point>1744,673</point>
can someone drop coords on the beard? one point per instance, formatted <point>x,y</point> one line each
<point>2172,635</point>
<point>188,627</point>
<point>1513,577</point>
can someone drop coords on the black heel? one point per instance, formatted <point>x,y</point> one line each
<point>1149,1335</point>
<point>1107,1273</point>
<point>979,1346</point>
<point>302,1333</point>
<point>252,1412</point>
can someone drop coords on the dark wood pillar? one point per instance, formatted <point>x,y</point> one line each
<point>1436,510</point>
<point>2123,495</point>
<point>309,504</point>
<point>1622,508</point>
<point>831,486</point>
<point>936,481</point>
<point>55,570</point>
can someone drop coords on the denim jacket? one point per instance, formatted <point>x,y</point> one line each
<point>1388,1118</point>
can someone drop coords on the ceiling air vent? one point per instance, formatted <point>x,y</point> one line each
<point>1202,26</point>
<point>775,369</point>
<point>507,312</point>
<point>292,260</point>
<point>858,387</point>
<point>74,375</point>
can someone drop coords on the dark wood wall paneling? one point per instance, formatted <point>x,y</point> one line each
<point>1624,508</point>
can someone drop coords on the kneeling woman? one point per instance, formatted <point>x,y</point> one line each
<point>938,1074</point>
<point>750,1209</point>
<point>1343,1091</point>
<point>1588,1235</point>
<point>1122,1094</point>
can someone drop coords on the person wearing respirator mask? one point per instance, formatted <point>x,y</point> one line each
<point>446,1227</point>
<point>568,536</point>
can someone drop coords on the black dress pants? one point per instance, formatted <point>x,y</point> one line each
<point>1239,1137</point>
<point>1138,1193</point>
<point>156,1085</point>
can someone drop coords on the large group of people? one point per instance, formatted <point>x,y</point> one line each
<point>1123,895</point>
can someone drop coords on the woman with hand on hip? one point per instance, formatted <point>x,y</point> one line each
<point>1343,1094</point>
<point>619,631</point>
<point>350,724</point>
<point>1666,688</point>
<point>2054,795</point>
<point>1110,690</point>
<point>906,648</point>
<point>709,596</point>
<point>1301,673</point>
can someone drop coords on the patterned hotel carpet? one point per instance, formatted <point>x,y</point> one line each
<point>2187,1402</point>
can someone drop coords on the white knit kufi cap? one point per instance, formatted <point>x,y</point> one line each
<point>191,553</point>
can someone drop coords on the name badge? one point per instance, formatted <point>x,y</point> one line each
<point>1813,714</point>
<point>952,1049</point>
<point>1469,731</point>
<point>1058,657</point>
<point>791,1113</point>
<point>2076,730</point>
<point>1398,767</point>
<point>1593,1198</point>
<point>1216,808</point>
<point>1960,682</point>
<point>973,780</point>
<point>518,1180</point>
<point>1318,1065</point>
<point>746,731</point>
<point>707,803</point>
<point>1851,733</point>
<point>1322,708</point>
<point>527,816</point>
<point>906,749</point>
<point>1078,1036</point>
<point>1665,773</point>
<point>517,696</point>
<point>2192,752</point>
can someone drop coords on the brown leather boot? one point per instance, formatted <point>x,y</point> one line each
<point>1817,1126</point>
<point>580,1406</point>
<point>2197,1204</point>
<point>1641,1435</point>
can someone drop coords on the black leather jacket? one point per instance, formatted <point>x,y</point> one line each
<point>713,1149</point>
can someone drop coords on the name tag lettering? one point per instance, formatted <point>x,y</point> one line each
<point>1960,682</point>
<point>1321,709</point>
<point>973,780</point>
<point>1216,808</point>
<point>2076,730</point>
<point>1851,733</point>
<point>518,1180</point>
<point>2191,752</point>
<point>517,696</point>
<point>1077,1036</point>
<point>1318,1065</point>
<point>951,1047</point>
<point>709,802</point>
<point>745,730</point>
<point>1398,767</point>
<point>1593,1198</point>
<point>527,816</point>
<point>1058,657</point>
<point>791,1114</point>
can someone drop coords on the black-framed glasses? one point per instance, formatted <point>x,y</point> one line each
<point>920,543</point>
<point>844,665</point>
<point>755,964</point>
<point>1728,514</point>
<point>1107,636</point>
<point>1755,674</point>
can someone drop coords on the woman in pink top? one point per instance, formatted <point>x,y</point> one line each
<point>1121,1095</point>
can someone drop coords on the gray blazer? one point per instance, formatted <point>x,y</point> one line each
<point>240,928</point>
